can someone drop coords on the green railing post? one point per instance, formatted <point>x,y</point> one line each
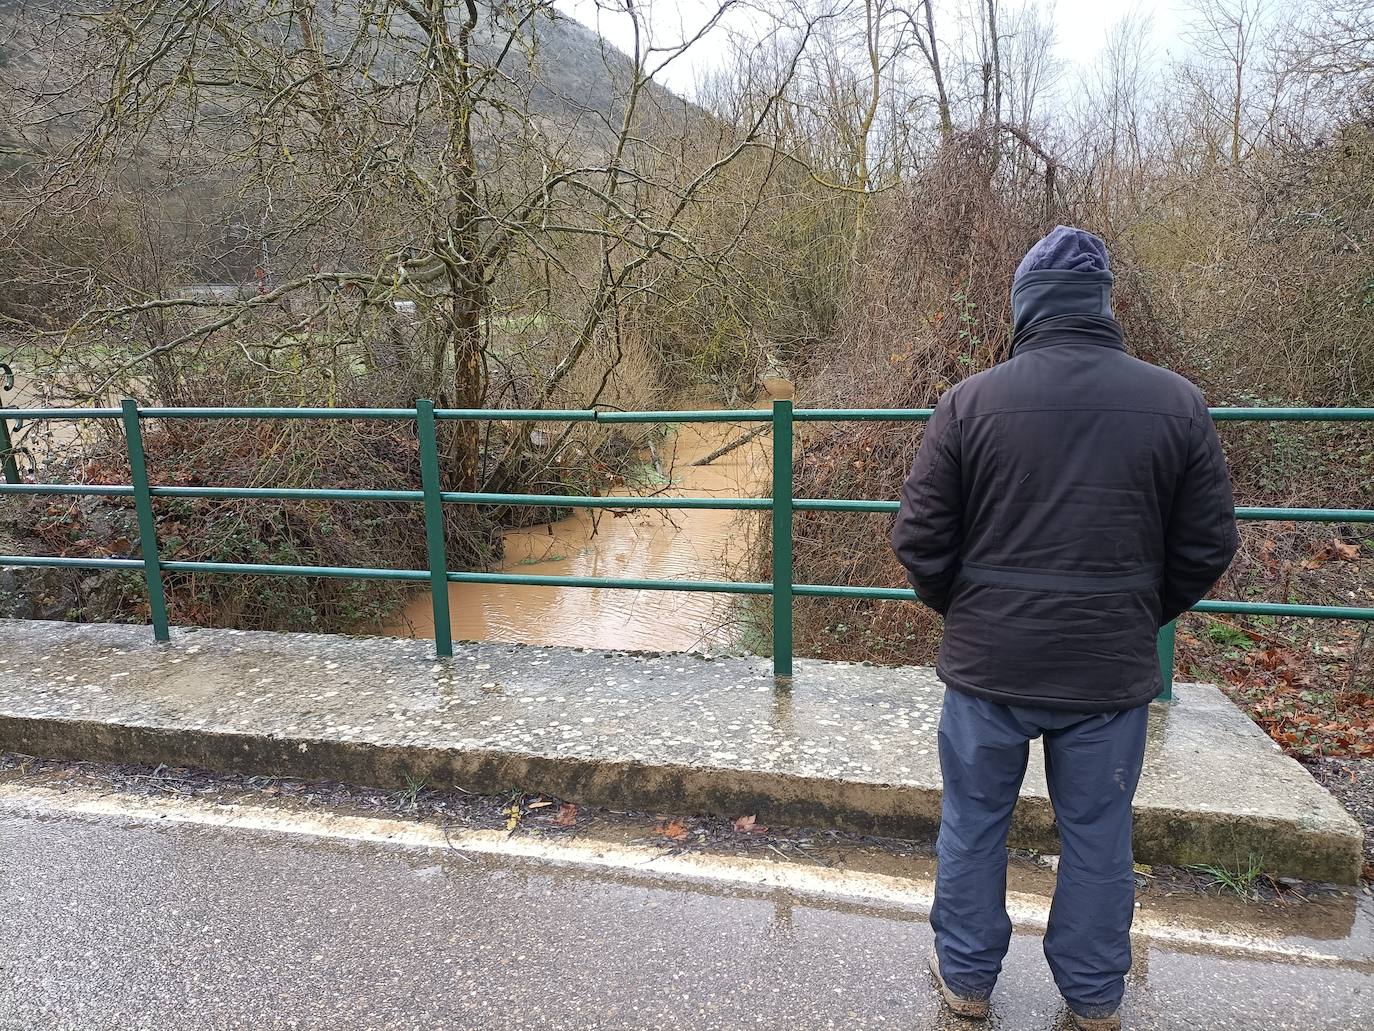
<point>1165,644</point>
<point>782,540</point>
<point>147,528</point>
<point>434,528</point>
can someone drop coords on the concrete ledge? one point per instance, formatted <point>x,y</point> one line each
<point>849,746</point>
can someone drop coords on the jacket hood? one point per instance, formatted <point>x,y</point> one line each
<point>1069,329</point>
<point>1050,293</point>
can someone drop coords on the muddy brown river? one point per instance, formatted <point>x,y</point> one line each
<point>35,442</point>
<point>653,544</point>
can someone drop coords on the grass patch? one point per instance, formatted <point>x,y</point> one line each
<point>410,794</point>
<point>539,560</point>
<point>643,476</point>
<point>1239,879</point>
<point>756,623</point>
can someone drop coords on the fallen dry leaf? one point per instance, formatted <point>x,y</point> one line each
<point>567,815</point>
<point>674,830</point>
<point>1334,550</point>
<point>1268,550</point>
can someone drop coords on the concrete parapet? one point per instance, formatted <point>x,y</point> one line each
<point>849,746</point>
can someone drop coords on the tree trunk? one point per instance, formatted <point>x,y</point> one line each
<point>992,71</point>
<point>466,270</point>
<point>1237,107</point>
<point>469,381</point>
<point>931,49</point>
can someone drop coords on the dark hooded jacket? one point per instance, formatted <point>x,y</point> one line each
<point>1063,507</point>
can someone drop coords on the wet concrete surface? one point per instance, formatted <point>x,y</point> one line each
<point>117,924</point>
<point>847,745</point>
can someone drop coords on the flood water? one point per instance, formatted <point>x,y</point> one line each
<point>652,544</point>
<point>35,442</point>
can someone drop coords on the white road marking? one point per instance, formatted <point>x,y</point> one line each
<point>911,895</point>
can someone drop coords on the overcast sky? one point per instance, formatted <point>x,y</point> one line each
<point>1081,25</point>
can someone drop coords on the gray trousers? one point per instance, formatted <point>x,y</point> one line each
<point>1092,763</point>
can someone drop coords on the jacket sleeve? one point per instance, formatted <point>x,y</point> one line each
<point>1200,539</point>
<point>928,533</point>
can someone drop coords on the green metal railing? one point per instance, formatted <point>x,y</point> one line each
<point>781,503</point>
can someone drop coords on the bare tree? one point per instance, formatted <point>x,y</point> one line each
<point>924,34</point>
<point>1227,34</point>
<point>420,186</point>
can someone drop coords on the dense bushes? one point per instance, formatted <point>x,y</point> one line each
<point>1256,284</point>
<point>280,454</point>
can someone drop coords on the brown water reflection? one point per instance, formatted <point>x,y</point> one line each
<point>660,545</point>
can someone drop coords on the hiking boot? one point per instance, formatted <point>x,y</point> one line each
<point>1078,1022</point>
<point>959,1005</point>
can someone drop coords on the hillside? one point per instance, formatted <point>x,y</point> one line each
<point>558,74</point>
<point>572,67</point>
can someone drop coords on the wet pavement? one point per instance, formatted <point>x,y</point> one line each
<point>120,920</point>
<point>847,745</point>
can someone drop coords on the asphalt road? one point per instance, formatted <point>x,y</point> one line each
<point>109,923</point>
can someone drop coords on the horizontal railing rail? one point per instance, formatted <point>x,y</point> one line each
<point>781,504</point>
